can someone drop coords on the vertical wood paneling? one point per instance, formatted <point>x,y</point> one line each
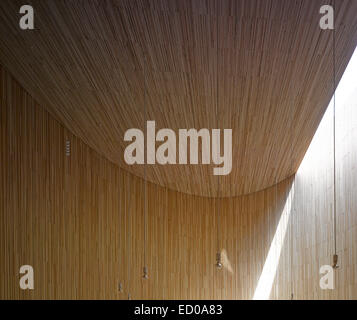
<point>78,221</point>
<point>313,202</point>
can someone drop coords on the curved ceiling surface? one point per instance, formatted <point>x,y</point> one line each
<point>264,66</point>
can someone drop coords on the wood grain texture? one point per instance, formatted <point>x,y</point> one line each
<point>312,218</point>
<point>85,64</point>
<point>78,221</point>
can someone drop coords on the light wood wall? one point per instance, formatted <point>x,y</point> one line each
<point>79,221</point>
<point>312,217</point>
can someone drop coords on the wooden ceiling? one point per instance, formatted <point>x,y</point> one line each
<point>271,76</point>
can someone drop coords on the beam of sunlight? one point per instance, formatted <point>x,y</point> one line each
<point>265,283</point>
<point>321,144</point>
<point>319,154</point>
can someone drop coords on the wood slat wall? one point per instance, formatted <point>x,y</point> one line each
<point>312,219</point>
<point>78,221</point>
<point>72,219</point>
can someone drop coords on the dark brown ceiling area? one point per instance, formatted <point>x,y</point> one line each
<point>265,65</point>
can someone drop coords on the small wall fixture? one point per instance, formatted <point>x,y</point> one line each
<point>68,148</point>
<point>218,260</point>
<point>145,273</point>
<point>335,261</point>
